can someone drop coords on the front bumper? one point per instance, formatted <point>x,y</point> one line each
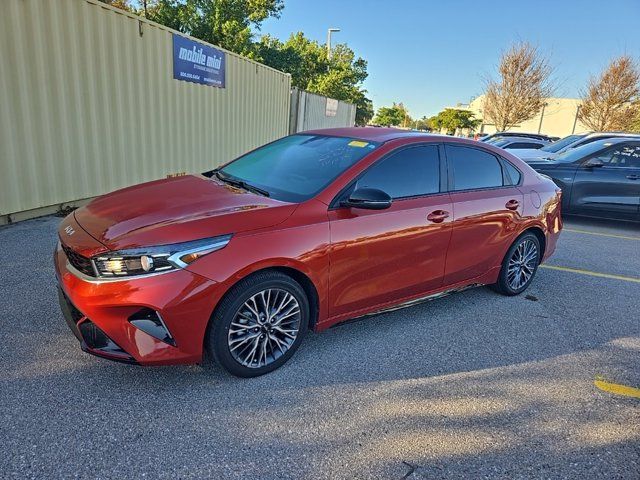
<point>99,313</point>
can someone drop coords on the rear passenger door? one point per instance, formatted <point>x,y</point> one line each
<point>487,206</point>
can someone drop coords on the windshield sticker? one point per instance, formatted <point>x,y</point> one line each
<point>358,143</point>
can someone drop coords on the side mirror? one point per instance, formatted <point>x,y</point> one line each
<point>369,198</point>
<point>594,162</point>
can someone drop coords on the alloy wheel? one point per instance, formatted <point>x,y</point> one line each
<point>264,328</point>
<point>522,264</point>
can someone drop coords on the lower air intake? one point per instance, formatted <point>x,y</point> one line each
<point>98,342</point>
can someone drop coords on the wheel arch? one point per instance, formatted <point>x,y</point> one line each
<point>309,288</point>
<point>539,233</point>
<point>287,268</point>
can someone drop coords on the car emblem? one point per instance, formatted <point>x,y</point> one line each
<point>69,229</point>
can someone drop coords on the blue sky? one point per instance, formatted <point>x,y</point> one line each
<point>432,54</point>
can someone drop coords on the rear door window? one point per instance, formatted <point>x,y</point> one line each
<point>472,168</point>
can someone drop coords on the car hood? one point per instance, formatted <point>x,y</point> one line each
<point>176,210</point>
<point>540,164</point>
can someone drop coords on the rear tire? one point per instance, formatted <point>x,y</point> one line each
<point>519,266</point>
<point>258,325</point>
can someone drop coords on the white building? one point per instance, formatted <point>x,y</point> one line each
<point>558,118</point>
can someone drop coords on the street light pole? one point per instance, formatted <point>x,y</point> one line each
<point>544,105</point>
<point>575,120</point>
<point>329,32</point>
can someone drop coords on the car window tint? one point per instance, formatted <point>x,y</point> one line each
<point>473,168</point>
<point>587,141</point>
<point>514,173</point>
<point>524,145</point>
<point>558,145</point>
<point>410,172</point>
<point>623,156</point>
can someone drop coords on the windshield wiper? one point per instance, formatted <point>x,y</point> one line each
<point>240,183</point>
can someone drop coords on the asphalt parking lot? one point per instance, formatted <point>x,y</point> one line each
<point>474,384</point>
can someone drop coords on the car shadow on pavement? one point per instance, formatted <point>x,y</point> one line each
<point>474,384</point>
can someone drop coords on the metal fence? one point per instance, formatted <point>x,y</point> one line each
<point>310,111</point>
<point>88,104</point>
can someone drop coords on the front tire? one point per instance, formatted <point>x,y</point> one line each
<point>519,266</point>
<point>259,324</point>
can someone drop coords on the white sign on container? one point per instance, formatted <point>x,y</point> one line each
<point>332,107</point>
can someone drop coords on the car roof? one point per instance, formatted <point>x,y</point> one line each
<point>373,134</point>
<point>520,134</point>
<point>612,134</point>
<point>605,142</point>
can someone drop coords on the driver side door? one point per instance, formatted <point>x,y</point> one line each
<point>381,256</point>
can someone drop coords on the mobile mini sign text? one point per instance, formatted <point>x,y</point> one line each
<point>198,63</point>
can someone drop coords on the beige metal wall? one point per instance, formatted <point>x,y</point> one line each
<point>88,104</point>
<point>309,111</point>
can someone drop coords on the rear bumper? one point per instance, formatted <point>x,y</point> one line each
<point>554,226</point>
<point>100,313</point>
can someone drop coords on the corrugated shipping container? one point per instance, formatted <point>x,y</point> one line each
<point>310,111</point>
<point>88,104</point>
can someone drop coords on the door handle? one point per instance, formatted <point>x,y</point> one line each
<point>633,177</point>
<point>438,216</point>
<point>512,204</point>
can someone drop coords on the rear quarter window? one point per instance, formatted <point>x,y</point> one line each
<point>513,173</point>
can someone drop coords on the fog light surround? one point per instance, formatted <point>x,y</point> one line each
<point>151,323</point>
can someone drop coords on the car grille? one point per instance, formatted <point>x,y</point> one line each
<point>80,263</point>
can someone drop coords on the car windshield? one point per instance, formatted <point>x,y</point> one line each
<point>297,167</point>
<point>583,151</point>
<point>555,147</point>
<point>501,142</point>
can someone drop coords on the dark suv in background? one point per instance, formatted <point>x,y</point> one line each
<point>599,179</point>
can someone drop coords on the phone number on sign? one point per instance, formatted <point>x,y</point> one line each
<point>189,75</point>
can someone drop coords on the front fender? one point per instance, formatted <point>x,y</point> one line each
<point>303,249</point>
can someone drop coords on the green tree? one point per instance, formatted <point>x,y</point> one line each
<point>394,116</point>
<point>452,119</point>
<point>122,4</point>
<point>227,23</point>
<point>424,123</point>
<point>306,60</point>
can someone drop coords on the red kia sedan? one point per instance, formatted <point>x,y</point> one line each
<point>302,233</point>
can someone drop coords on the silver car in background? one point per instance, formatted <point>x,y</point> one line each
<point>518,143</point>
<point>552,150</point>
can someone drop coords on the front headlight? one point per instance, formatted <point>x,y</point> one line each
<point>147,260</point>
